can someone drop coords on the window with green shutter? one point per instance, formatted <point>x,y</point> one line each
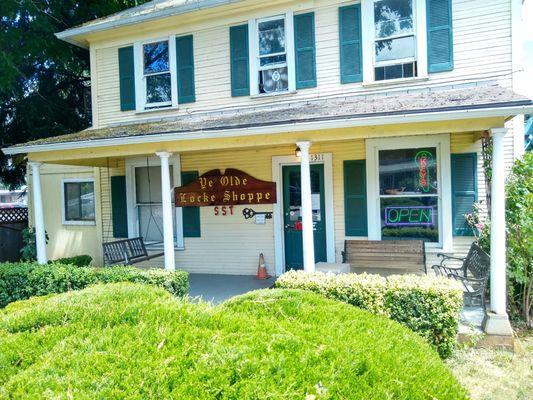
<point>119,207</point>
<point>439,34</point>
<point>350,43</point>
<point>304,46</point>
<point>464,191</point>
<point>355,213</point>
<point>185,69</point>
<point>240,74</point>
<point>126,73</point>
<point>191,215</point>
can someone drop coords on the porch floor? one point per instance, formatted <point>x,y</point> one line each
<point>217,288</point>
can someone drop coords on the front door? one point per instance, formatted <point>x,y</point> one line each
<point>292,218</point>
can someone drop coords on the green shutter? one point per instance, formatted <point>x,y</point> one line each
<point>304,47</point>
<point>185,69</point>
<point>464,191</point>
<point>126,72</point>
<point>119,207</point>
<point>439,34</point>
<point>240,75</point>
<point>350,43</point>
<point>191,215</point>
<point>355,220</point>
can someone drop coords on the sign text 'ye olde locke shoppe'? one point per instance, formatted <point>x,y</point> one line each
<point>231,188</point>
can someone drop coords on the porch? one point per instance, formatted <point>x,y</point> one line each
<point>218,288</point>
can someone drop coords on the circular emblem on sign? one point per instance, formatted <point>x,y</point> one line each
<point>276,76</point>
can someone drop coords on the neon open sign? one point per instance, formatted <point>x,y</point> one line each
<point>409,216</point>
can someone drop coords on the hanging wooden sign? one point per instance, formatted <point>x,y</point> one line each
<point>234,187</point>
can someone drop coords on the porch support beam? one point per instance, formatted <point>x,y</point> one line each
<point>166,200</point>
<point>496,321</point>
<point>307,208</point>
<point>38,213</point>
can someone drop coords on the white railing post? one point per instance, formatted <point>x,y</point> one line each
<point>38,213</point>
<point>307,210</point>
<point>497,322</point>
<point>166,200</point>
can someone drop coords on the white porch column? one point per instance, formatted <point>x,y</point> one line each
<point>38,213</point>
<point>496,322</point>
<point>307,208</point>
<point>166,200</point>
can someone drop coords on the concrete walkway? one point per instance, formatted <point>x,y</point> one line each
<point>217,288</point>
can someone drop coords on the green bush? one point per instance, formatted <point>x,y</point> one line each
<point>79,261</point>
<point>23,280</point>
<point>427,305</point>
<point>138,342</point>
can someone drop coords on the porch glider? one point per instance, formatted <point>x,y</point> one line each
<point>407,255</point>
<point>127,252</point>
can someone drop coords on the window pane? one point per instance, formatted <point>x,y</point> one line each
<point>158,88</point>
<point>393,17</point>
<point>72,202</point>
<point>151,223</point>
<point>410,218</point>
<point>273,80</point>
<point>148,184</point>
<point>155,57</point>
<point>272,60</point>
<point>271,36</point>
<point>87,201</point>
<point>395,49</point>
<point>408,171</point>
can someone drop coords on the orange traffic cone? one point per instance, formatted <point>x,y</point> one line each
<point>261,268</point>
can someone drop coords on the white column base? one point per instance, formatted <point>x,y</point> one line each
<point>497,324</point>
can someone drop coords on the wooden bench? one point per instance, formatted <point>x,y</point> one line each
<point>473,273</point>
<point>409,256</point>
<point>126,252</point>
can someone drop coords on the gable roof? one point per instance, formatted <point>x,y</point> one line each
<point>429,104</point>
<point>154,9</point>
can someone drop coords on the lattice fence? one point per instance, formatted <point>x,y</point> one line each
<point>13,215</point>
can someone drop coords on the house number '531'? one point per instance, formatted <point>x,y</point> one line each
<point>224,210</point>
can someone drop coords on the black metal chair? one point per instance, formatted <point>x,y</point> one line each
<point>473,273</point>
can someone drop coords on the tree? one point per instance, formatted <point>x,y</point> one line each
<point>44,82</point>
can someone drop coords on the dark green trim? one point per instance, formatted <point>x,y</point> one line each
<point>239,59</point>
<point>304,47</point>
<point>439,35</point>
<point>464,191</point>
<point>185,69</point>
<point>191,215</point>
<point>355,207</point>
<point>126,72</point>
<point>350,43</point>
<point>119,207</point>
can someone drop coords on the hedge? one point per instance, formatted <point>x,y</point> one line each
<point>427,305</point>
<point>79,261</point>
<point>23,280</point>
<point>128,341</point>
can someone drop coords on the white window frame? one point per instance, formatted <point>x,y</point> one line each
<point>442,144</point>
<point>369,39</point>
<point>253,49</point>
<point>140,80</point>
<point>133,217</point>
<point>64,211</point>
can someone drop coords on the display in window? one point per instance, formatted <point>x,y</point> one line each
<point>272,68</point>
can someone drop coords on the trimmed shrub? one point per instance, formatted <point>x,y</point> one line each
<point>138,342</point>
<point>427,305</point>
<point>79,261</point>
<point>23,280</point>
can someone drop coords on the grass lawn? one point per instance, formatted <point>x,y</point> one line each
<point>127,341</point>
<point>490,374</point>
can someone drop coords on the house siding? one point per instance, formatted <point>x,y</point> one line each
<point>482,52</point>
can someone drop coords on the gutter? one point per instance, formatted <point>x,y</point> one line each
<point>317,124</point>
<point>69,34</point>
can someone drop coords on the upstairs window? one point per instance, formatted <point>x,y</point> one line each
<point>394,40</point>
<point>156,74</point>
<point>272,55</point>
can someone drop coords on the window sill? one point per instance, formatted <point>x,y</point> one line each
<point>275,94</point>
<point>391,82</point>
<point>79,223</point>
<point>154,110</point>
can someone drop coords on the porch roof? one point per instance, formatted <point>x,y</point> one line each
<point>429,104</point>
